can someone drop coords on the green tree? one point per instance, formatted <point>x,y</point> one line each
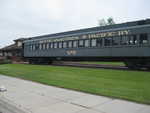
<point>102,22</point>
<point>109,21</point>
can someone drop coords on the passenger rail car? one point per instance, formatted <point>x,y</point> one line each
<point>128,42</point>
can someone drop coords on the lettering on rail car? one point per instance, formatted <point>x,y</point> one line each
<point>71,52</point>
<point>89,36</point>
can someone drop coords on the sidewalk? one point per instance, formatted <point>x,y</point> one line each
<point>38,98</point>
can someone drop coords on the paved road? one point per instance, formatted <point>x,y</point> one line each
<point>6,107</point>
<point>38,98</point>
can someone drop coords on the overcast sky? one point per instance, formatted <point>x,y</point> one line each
<point>27,18</point>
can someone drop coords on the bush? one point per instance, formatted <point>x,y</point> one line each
<point>5,61</point>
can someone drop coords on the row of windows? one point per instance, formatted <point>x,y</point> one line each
<point>65,44</point>
<point>127,40</point>
<point>112,41</point>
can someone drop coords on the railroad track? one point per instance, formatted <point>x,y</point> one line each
<point>77,64</point>
<point>100,66</point>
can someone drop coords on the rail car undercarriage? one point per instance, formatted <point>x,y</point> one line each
<point>131,63</point>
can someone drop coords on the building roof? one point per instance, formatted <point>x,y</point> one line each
<point>13,46</point>
<point>10,47</point>
<point>20,39</point>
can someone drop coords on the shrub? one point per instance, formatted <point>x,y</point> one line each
<point>5,61</point>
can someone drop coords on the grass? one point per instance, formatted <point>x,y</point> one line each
<point>105,63</point>
<point>129,85</point>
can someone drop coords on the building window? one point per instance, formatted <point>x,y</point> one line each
<point>81,43</point>
<point>70,44</point>
<point>86,43</point>
<point>19,43</point>
<point>143,38</point>
<point>75,43</point>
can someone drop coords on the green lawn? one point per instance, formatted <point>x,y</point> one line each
<point>105,63</point>
<point>130,85</point>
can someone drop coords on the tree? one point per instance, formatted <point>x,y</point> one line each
<point>102,22</point>
<point>109,21</point>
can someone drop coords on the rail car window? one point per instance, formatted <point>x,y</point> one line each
<point>55,45</point>
<point>70,44</point>
<point>52,45</point>
<point>99,42</point>
<point>64,44</point>
<point>47,46</point>
<point>93,42</point>
<point>143,38</point>
<point>108,41</point>
<point>36,46</point>
<point>115,41</point>
<point>75,43</point>
<point>132,40</point>
<point>124,40</point>
<point>44,46</point>
<point>60,45</point>
<point>31,47</point>
<point>86,43</point>
<point>40,46</point>
<point>81,43</point>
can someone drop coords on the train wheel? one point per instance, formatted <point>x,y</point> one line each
<point>129,64</point>
<point>50,62</point>
<point>132,65</point>
<point>30,62</point>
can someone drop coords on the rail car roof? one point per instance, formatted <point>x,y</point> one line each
<point>127,24</point>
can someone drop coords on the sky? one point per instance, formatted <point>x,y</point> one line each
<point>28,18</point>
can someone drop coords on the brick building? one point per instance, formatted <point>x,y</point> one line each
<point>13,51</point>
